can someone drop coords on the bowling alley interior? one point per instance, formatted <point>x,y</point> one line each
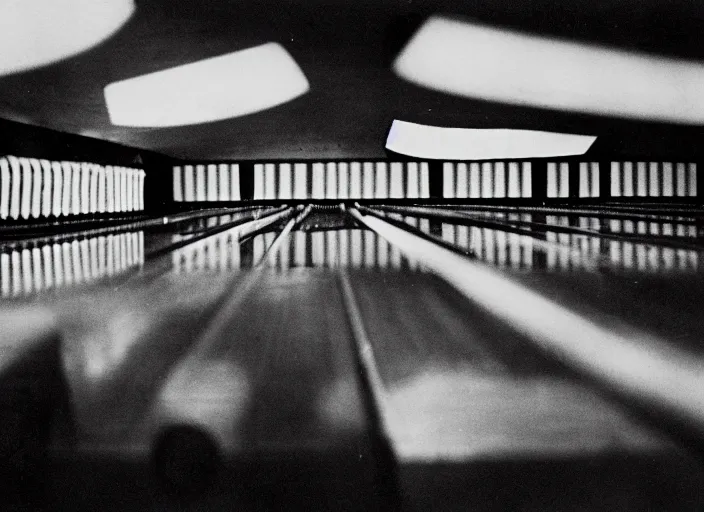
<point>339,255</point>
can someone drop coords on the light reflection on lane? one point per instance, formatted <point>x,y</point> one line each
<point>355,248</point>
<point>25,271</point>
<point>566,252</point>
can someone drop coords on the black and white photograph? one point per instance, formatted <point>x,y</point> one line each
<point>351,255</point>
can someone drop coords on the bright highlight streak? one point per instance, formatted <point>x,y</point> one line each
<point>35,33</point>
<point>476,61</point>
<point>218,88</point>
<point>638,363</point>
<point>437,142</point>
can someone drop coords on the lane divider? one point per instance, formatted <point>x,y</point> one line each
<point>642,365</point>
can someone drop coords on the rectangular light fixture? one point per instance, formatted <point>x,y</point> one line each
<point>423,141</point>
<point>231,85</point>
<point>476,61</point>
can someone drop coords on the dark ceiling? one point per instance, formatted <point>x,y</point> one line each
<point>345,48</point>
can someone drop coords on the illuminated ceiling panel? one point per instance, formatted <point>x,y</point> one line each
<point>35,33</point>
<point>222,87</point>
<point>424,141</point>
<point>476,61</point>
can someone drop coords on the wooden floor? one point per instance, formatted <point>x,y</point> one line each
<point>338,374</point>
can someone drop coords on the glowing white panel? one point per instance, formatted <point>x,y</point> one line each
<point>594,170</point>
<point>222,87</point>
<point>368,180</point>
<point>615,179</point>
<point>477,61</point>
<point>499,179</point>
<point>178,184</point>
<point>47,188</point>
<point>424,180</point>
<point>201,190</point>
<point>487,173</point>
<point>552,182</point>
<point>584,190</point>
<point>93,189</point>
<point>235,183</point>
<point>124,190</point>
<point>85,188</point>
<point>564,180</point>
<point>223,172</point>
<point>412,182</point>
<point>462,181</point>
<point>396,180</point>
<point>424,141</point>
<point>628,179</point>
<point>692,179</point>
<point>72,182</point>
<point>514,180</point>
<point>37,184</point>
<point>285,182</point>
<point>355,180</point>
<point>681,179</point>
<point>667,179</point>
<point>5,187</point>
<point>117,180</point>
<point>58,181</point>
<point>258,181</point>
<point>654,174</point>
<point>212,180</point>
<point>474,180</point>
<point>112,183</point>
<point>527,180</point>
<point>641,179</point>
<point>142,177</point>
<point>343,180</point>
<point>35,33</point>
<point>26,194</point>
<point>381,183</point>
<point>448,180</point>
<point>331,181</point>
<point>318,181</point>
<point>270,181</point>
<point>135,188</point>
<point>189,183</point>
<point>300,182</point>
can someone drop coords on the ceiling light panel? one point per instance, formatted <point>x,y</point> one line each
<point>422,141</point>
<point>476,61</point>
<point>223,87</point>
<point>35,33</point>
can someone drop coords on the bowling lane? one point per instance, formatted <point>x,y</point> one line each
<point>32,268</point>
<point>623,285</point>
<point>475,412</point>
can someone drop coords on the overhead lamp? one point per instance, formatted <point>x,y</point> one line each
<point>476,61</point>
<point>222,87</point>
<point>35,33</point>
<point>423,141</point>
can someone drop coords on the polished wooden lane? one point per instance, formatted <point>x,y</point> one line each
<point>212,384</point>
<point>479,418</point>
